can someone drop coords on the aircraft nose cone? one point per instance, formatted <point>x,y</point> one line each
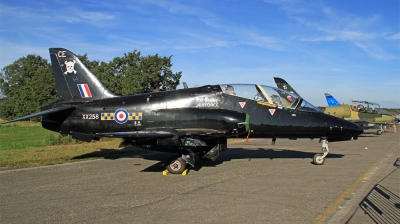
<point>344,128</point>
<point>355,128</point>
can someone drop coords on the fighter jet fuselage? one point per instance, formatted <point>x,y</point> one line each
<point>204,109</point>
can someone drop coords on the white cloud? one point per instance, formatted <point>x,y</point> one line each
<point>342,35</point>
<point>26,15</point>
<point>267,42</point>
<point>327,24</point>
<point>202,15</point>
<point>395,36</point>
<point>293,7</point>
<point>374,50</point>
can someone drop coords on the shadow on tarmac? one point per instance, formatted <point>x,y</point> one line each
<point>368,136</point>
<point>127,152</point>
<point>226,156</point>
<point>380,204</point>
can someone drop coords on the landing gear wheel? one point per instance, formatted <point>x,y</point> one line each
<point>176,165</point>
<point>319,159</point>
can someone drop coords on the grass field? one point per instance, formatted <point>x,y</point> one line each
<point>23,135</point>
<point>27,144</point>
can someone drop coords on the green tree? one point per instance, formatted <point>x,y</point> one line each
<point>27,85</point>
<point>126,72</point>
<point>156,74</point>
<point>132,74</point>
<point>106,77</point>
<point>91,65</point>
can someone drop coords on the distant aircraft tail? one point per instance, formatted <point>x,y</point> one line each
<point>331,100</point>
<point>282,84</point>
<point>75,82</point>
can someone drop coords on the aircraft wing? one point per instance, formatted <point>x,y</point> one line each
<point>160,133</point>
<point>41,113</point>
<point>364,124</point>
<point>371,125</point>
<point>139,134</point>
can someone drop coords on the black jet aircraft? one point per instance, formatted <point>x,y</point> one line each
<point>186,121</point>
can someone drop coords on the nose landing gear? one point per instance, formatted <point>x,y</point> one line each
<point>319,158</point>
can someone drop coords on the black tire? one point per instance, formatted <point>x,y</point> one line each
<point>318,160</point>
<point>176,165</point>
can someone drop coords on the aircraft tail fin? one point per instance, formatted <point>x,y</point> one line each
<point>282,84</point>
<point>75,82</point>
<point>331,100</point>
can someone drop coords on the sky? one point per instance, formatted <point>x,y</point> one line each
<point>349,49</point>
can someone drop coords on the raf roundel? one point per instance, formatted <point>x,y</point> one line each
<point>121,116</point>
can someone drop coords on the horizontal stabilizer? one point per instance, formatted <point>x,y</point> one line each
<point>41,113</point>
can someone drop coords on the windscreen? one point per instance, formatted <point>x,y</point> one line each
<point>281,97</point>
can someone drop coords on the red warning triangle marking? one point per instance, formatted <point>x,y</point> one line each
<point>272,111</point>
<point>242,104</point>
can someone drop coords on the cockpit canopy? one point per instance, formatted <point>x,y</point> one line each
<point>270,95</point>
<point>365,106</point>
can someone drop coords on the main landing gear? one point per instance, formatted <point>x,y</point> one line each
<point>319,158</point>
<point>176,165</point>
<point>206,150</point>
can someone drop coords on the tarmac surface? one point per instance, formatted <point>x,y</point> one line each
<point>251,182</point>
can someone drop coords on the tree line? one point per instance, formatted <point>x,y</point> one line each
<point>28,83</point>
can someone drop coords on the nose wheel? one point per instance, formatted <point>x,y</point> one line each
<point>319,158</point>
